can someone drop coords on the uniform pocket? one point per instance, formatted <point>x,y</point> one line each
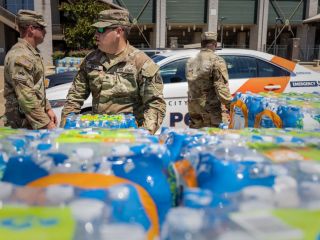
<point>125,84</point>
<point>95,80</point>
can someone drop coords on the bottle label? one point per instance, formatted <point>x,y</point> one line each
<point>103,135</point>
<point>37,223</point>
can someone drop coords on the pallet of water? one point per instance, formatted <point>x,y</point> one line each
<point>271,110</point>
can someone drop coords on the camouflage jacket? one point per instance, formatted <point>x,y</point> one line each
<point>208,88</point>
<point>24,91</point>
<point>127,83</point>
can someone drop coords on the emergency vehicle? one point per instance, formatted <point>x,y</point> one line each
<point>248,70</point>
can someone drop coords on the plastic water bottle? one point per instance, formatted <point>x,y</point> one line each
<point>41,157</point>
<point>59,194</point>
<point>71,121</point>
<point>311,119</point>
<point>308,176</point>
<point>197,198</point>
<point>126,206</point>
<point>22,169</point>
<point>89,214</point>
<point>229,169</point>
<point>122,232</point>
<point>266,121</point>
<point>85,156</point>
<point>286,192</point>
<point>79,156</point>
<point>256,198</point>
<point>235,235</point>
<point>255,106</point>
<point>3,162</point>
<point>6,190</point>
<point>14,145</point>
<point>184,224</point>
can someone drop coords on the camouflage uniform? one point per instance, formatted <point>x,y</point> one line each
<point>26,104</point>
<point>125,83</point>
<point>207,87</point>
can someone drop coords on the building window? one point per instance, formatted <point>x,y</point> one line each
<point>15,5</point>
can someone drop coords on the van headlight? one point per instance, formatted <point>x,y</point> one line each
<point>57,103</point>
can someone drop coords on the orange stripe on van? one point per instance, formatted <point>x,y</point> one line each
<point>284,63</point>
<point>95,180</point>
<point>256,85</point>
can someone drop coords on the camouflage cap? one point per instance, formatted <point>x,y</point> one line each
<point>209,36</point>
<point>29,17</point>
<point>112,17</point>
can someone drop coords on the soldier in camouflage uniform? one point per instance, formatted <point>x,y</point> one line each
<point>208,85</point>
<point>26,104</point>
<point>121,78</point>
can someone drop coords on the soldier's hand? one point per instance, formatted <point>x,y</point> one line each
<point>50,125</point>
<point>52,117</point>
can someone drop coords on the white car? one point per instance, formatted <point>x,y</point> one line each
<point>248,71</point>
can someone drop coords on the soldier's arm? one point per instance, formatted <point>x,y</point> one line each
<point>48,106</point>
<point>23,83</point>
<point>78,93</point>
<point>151,92</point>
<point>220,82</point>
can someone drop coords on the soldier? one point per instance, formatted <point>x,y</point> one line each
<point>208,85</point>
<point>24,90</point>
<point>121,78</point>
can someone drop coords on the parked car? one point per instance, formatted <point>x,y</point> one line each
<point>248,71</point>
<point>61,78</point>
<point>153,51</point>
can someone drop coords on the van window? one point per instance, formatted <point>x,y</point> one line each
<point>250,67</point>
<point>174,72</point>
<point>266,69</point>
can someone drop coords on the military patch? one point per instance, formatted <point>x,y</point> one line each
<point>94,66</point>
<point>149,69</point>
<point>24,62</point>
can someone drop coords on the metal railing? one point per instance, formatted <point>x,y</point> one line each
<point>278,50</point>
<point>310,53</point>
<point>305,54</point>
<point>241,46</point>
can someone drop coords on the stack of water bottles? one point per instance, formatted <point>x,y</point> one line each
<point>241,192</point>
<point>68,212</point>
<point>95,159</point>
<point>90,182</point>
<point>101,121</point>
<point>271,110</point>
<point>68,64</point>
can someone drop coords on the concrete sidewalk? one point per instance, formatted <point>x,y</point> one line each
<point>312,67</point>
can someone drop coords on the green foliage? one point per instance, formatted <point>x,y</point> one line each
<point>76,53</point>
<point>57,55</point>
<point>80,53</point>
<point>81,14</point>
